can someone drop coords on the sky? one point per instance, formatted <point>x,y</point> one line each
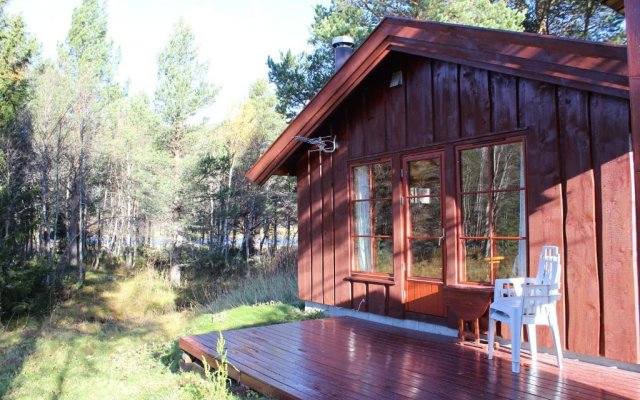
<point>233,36</point>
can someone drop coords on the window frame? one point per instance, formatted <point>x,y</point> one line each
<point>352,201</point>
<point>492,238</point>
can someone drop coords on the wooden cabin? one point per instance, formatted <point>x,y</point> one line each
<point>460,152</point>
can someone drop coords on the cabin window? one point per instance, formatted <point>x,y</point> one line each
<point>372,218</point>
<point>492,198</point>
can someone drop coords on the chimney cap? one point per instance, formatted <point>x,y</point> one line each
<point>343,41</point>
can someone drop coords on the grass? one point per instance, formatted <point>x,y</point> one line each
<point>278,286</point>
<point>117,339</point>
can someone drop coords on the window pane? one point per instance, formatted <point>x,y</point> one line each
<point>424,177</point>
<point>514,261</point>
<point>475,218</point>
<point>426,259</point>
<point>425,216</point>
<point>362,257</point>
<point>475,171</point>
<point>384,255</point>
<point>361,183</point>
<point>383,217</point>
<point>507,166</point>
<point>382,180</point>
<point>362,218</point>
<point>507,218</point>
<point>478,268</point>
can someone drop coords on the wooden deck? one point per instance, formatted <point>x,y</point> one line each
<point>347,358</point>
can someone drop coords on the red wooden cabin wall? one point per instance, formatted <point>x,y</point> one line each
<point>579,186</point>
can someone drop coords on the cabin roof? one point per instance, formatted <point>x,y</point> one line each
<point>617,5</point>
<point>595,67</point>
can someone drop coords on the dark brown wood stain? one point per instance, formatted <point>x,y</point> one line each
<point>347,358</point>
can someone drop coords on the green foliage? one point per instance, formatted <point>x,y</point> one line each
<point>182,88</point>
<point>581,19</point>
<point>17,49</point>
<point>298,77</point>
<point>216,385</point>
<point>23,288</point>
<point>88,50</point>
<point>17,208</point>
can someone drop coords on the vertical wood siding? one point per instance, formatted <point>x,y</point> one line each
<point>581,262</point>
<point>579,190</point>
<point>537,111</point>
<point>304,230</point>
<point>612,166</point>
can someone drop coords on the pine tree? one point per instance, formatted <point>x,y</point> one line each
<point>182,89</point>
<point>88,58</point>
<point>17,214</point>
<point>298,77</point>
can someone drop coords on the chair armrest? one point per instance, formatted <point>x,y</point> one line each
<point>508,287</point>
<point>551,290</point>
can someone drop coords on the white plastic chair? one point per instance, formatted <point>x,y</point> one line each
<point>530,302</point>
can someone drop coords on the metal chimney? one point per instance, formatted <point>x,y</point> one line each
<point>343,48</point>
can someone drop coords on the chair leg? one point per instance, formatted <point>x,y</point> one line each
<point>531,331</point>
<point>516,334</point>
<point>492,334</point>
<point>553,324</point>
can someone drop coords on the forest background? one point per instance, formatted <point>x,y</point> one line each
<point>91,176</point>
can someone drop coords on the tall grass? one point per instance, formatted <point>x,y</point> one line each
<point>146,293</point>
<point>280,287</point>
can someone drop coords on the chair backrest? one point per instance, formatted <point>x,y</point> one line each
<point>549,266</point>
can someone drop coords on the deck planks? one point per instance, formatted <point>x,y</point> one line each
<point>348,358</point>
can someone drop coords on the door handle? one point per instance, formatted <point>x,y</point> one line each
<point>441,238</point>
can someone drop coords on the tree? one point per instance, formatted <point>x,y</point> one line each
<point>223,204</point>
<point>17,214</point>
<point>49,107</point>
<point>298,77</point>
<point>17,49</point>
<point>87,57</point>
<point>182,89</point>
<point>581,19</point>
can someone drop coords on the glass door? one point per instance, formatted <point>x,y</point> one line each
<point>423,210</point>
<point>424,244</point>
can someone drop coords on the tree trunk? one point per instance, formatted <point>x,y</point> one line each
<point>225,246</point>
<point>72,231</point>
<point>275,233</point>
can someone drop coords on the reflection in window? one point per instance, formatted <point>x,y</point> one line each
<point>372,221</point>
<point>492,197</point>
<point>424,230</point>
